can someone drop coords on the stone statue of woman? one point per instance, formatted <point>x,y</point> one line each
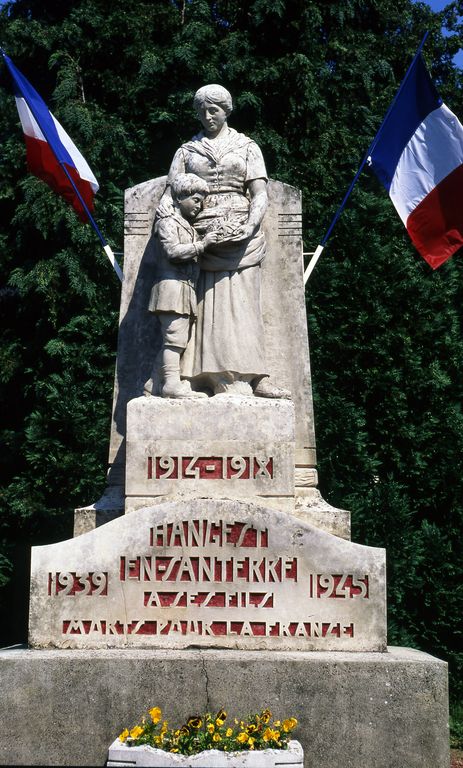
<point>226,351</point>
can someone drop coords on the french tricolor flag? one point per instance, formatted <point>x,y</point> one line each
<point>418,156</point>
<point>49,148</point>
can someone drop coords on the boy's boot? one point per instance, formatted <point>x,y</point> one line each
<point>173,386</point>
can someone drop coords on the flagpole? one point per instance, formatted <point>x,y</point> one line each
<point>319,249</point>
<point>106,247</point>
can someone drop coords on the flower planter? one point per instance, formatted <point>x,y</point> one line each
<point>149,757</point>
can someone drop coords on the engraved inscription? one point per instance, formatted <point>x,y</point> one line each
<point>208,568</point>
<point>200,533</point>
<point>343,585</point>
<point>67,583</point>
<point>314,629</point>
<point>209,468</point>
<point>180,580</point>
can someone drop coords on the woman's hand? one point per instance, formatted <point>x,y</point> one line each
<point>244,232</point>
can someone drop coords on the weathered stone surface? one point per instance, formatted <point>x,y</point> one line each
<point>313,509</point>
<point>223,447</point>
<point>375,710</point>
<point>208,572</point>
<point>146,757</point>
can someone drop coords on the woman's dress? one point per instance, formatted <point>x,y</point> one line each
<point>229,333</point>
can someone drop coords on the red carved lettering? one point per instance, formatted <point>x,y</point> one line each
<point>66,583</point>
<point>217,600</point>
<point>210,468</point>
<point>166,468</point>
<point>262,470</point>
<point>147,628</point>
<point>258,628</point>
<point>340,586</point>
<point>238,467</point>
<point>261,599</point>
<point>219,627</point>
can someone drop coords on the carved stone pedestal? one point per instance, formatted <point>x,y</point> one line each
<point>208,573</point>
<point>221,447</point>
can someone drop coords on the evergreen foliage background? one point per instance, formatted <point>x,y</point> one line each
<point>311,81</point>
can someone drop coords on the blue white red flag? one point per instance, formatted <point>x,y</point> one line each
<point>418,157</point>
<point>48,147</point>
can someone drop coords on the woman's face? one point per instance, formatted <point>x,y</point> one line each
<point>212,117</point>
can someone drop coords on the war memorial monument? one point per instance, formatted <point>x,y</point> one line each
<point>212,573</point>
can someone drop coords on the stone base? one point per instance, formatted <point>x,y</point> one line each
<point>362,710</point>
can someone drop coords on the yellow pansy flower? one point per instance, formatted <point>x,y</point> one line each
<point>229,732</point>
<point>266,715</point>
<point>156,714</point>
<point>220,717</point>
<point>195,722</point>
<point>211,727</point>
<point>123,735</point>
<point>251,741</point>
<point>289,724</point>
<point>216,737</point>
<point>242,737</point>
<point>270,735</point>
<point>136,732</point>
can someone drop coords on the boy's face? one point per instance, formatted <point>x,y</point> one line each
<point>191,206</point>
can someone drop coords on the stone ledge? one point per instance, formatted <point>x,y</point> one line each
<point>356,710</point>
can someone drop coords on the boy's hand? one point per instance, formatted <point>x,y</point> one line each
<point>211,238</point>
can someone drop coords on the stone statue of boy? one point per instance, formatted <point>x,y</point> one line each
<point>173,296</point>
